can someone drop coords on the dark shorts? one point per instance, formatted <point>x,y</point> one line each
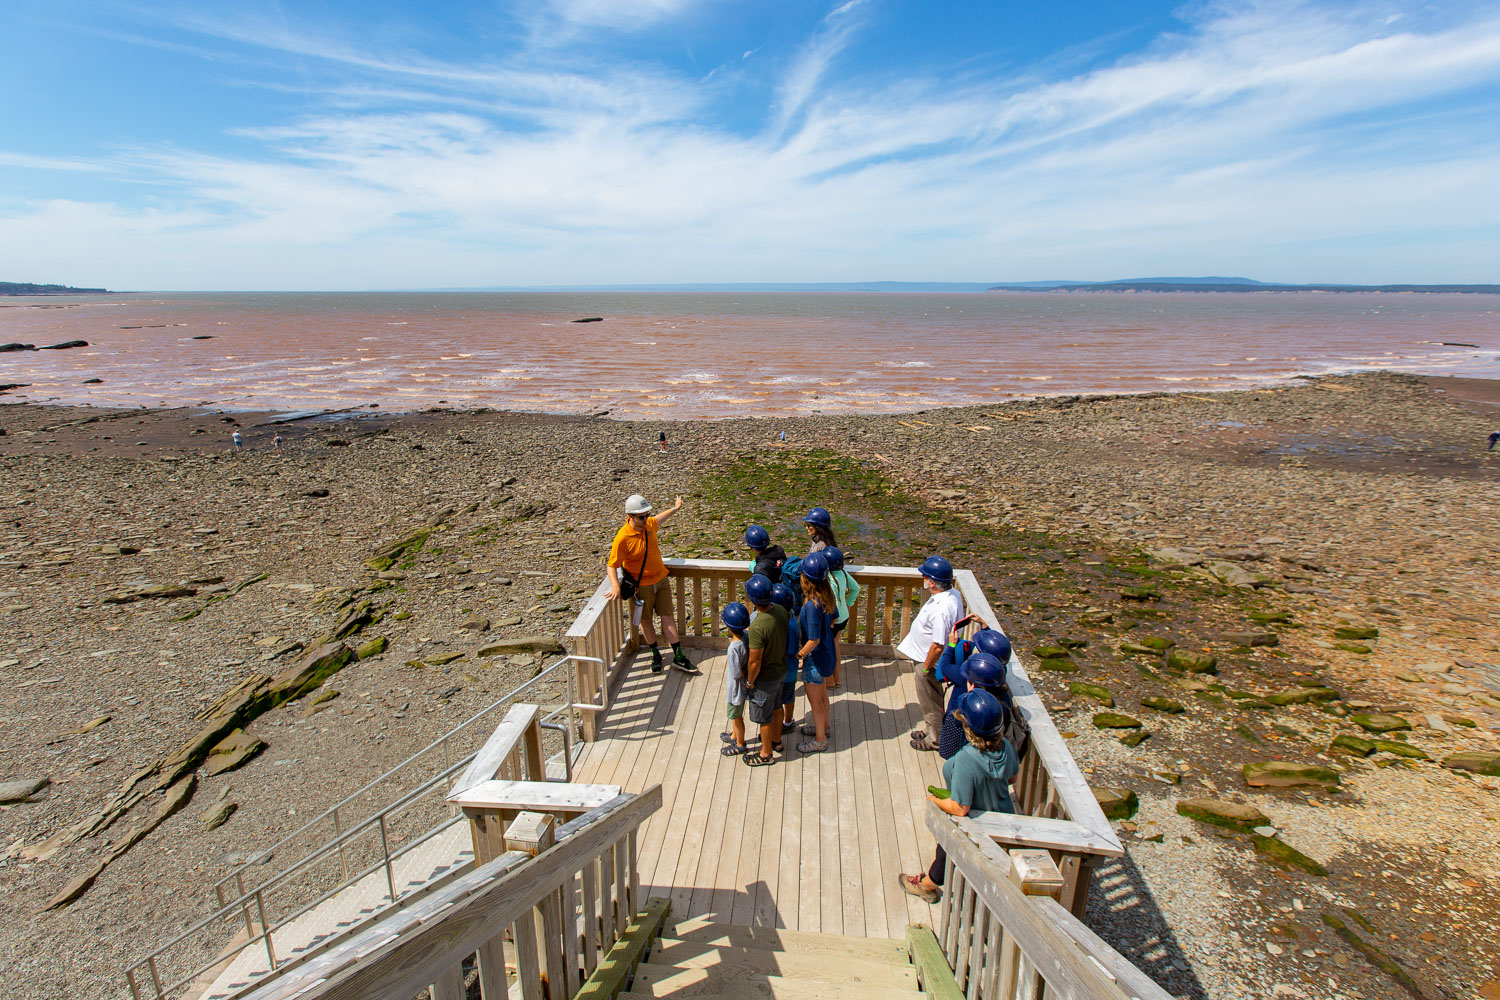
<point>764,703</point>
<point>789,692</point>
<point>840,626</point>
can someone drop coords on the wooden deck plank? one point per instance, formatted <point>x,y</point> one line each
<point>922,769</point>
<point>756,905</point>
<point>660,743</point>
<point>660,852</point>
<point>850,891</point>
<point>885,767</point>
<point>867,715</point>
<point>693,892</point>
<point>830,896</point>
<point>786,898</point>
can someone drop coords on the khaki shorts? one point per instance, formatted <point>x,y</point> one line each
<point>657,597</point>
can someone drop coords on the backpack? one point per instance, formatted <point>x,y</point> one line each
<point>1017,729</point>
<point>791,575</point>
<point>769,561</point>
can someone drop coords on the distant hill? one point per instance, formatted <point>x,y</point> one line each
<point>1216,284</point>
<point>28,288</point>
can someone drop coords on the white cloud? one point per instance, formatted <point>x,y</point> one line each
<point>1242,146</point>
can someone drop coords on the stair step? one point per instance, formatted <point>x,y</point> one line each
<point>705,932</point>
<point>683,983</point>
<point>741,962</point>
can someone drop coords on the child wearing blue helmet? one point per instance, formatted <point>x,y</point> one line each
<point>736,618</point>
<point>768,557</point>
<point>781,595</point>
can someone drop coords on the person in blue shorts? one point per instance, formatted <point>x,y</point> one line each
<point>816,625</point>
<point>781,595</point>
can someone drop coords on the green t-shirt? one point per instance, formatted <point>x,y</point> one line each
<point>767,633</point>
<point>981,780</point>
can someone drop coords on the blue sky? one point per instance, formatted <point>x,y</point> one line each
<point>327,145</point>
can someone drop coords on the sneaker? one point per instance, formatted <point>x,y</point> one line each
<point>681,662</point>
<point>912,886</point>
<point>656,661</point>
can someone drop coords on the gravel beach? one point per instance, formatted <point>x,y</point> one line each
<point>1329,545</point>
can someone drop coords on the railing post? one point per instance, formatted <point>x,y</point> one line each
<point>385,849</point>
<point>265,930</point>
<point>534,833</point>
<point>135,990</point>
<point>156,976</point>
<point>1037,875</point>
<point>338,830</point>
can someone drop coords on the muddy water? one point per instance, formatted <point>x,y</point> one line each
<point>719,354</point>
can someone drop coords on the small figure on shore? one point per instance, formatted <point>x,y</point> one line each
<point>736,618</point>
<point>766,669</point>
<point>661,440</point>
<point>239,444</point>
<point>276,441</point>
<point>925,643</point>
<point>845,592</point>
<point>768,557</point>
<point>816,626</point>
<point>819,528</point>
<point>782,595</point>
<point>635,571</point>
<point>783,437</point>
<point>1494,437</point>
<point>977,777</point>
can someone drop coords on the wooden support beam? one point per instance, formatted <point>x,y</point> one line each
<point>609,979</point>
<point>933,974</point>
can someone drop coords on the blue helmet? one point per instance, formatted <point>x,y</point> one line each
<point>981,712</point>
<point>736,616</point>
<point>995,643</point>
<point>983,669</point>
<point>815,567</point>
<point>782,594</point>
<point>758,589</point>
<point>939,569</point>
<point>835,556</point>
<point>757,537</point>
<point>819,516</point>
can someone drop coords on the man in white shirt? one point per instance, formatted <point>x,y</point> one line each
<point>925,642</point>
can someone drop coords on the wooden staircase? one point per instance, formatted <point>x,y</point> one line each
<point>698,958</point>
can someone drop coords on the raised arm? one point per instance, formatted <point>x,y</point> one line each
<point>661,518</point>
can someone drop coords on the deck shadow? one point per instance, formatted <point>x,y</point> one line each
<point>1125,914</point>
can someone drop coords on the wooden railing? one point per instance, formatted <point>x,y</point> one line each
<point>1005,935</point>
<point>1055,809</point>
<point>548,908</point>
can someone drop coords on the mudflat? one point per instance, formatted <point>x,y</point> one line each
<point>1268,577</point>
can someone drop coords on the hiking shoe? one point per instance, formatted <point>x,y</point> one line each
<point>912,886</point>
<point>684,664</point>
<point>656,661</point>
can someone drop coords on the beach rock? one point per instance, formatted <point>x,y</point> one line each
<point>1156,642</point>
<point>1096,618</point>
<point>1193,663</point>
<point>7,348</point>
<point>316,494</point>
<point>89,726</point>
<point>1136,738</point>
<point>476,624</point>
<point>319,702</point>
<point>1286,856</point>
<point>1231,574</point>
<point>217,815</point>
<point>442,658</point>
<point>1163,705</point>
<point>1114,720</point>
<point>1477,761</point>
<point>1231,815</point>
<point>1140,594</point>
<point>1354,746</point>
<point>1050,652</point>
<point>1356,632</point>
<point>65,345</point>
<point>23,790</point>
<point>1136,649</point>
<point>1289,774</point>
<point>1401,749</point>
<point>118,549</point>
<point>374,647</point>
<point>589,319</point>
<point>160,591</point>
<point>1302,696</point>
<point>223,763</point>
<point>1173,556</point>
<point>391,552</point>
<point>1379,722</point>
<point>352,622</point>
<point>1253,638</point>
<point>1058,665</point>
<point>522,644</point>
<point>1354,647</point>
<point>1117,803</point>
<point>1093,691</point>
<point>1271,617</point>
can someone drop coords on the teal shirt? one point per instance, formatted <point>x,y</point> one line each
<point>845,592</point>
<point>980,779</point>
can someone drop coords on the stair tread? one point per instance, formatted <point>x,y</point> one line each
<point>683,983</point>
<point>740,962</point>
<point>776,939</point>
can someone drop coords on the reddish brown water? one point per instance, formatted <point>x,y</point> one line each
<point>721,354</point>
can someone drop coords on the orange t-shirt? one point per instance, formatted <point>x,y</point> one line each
<point>626,552</point>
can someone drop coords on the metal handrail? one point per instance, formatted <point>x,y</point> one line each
<point>256,894</point>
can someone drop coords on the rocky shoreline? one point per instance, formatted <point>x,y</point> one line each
<point>1328,546</point>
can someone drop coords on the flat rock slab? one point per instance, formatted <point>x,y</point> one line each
<point>22,790</point>
<point>522,644</point>
<point>1163,705</point>
<point>1379,722</point>
<point>1285,855</point>
<point>1114,720</point>
<point>1355,746</point>
<point>217,815</point>
<point>1117,803</point>
<point>1254,638</point>
<point>1289,774</point>
<point>1356,632</point>
<point>1477,761</point>
<point>1093,691</point>
<point>1193,663</point>
<point>223,763</point>
<point>1217,812</point>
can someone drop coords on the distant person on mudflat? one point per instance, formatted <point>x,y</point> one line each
<point>768,557</point>
<point>820,529</point>
<point>661,440</point>
<point>635,570</point>
<point>239,442</point>
<point>925,642</point>
<point>1494,438</point>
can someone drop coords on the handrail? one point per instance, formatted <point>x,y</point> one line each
<point>586,882</point>
<point>1002,941</point>
<point>256,894</point>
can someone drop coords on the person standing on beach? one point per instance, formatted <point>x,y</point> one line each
<point>1494,437</point>
<point>661,440</point>
<point>637,553</point>
<point>239,444</point>
<point>925,643</point>
<point>277,442</point>
<point>820,529</point>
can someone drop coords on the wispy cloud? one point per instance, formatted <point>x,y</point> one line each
<point>1242,143</point>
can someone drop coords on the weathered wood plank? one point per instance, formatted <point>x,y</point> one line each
<point>608,980</point>
<point>933,973</point>
<point>535,796</point>
<point>511,731</point>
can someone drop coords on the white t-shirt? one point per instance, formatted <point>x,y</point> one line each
<point>932,624</point>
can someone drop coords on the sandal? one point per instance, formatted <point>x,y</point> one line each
<point>918,734</point>
<point>758,759</point>
<point>810,730</point>
<point>923,744</point>
<point>732,749</point>
<point>727,737</point>
<point>778,748</point>
<point>812,746</point>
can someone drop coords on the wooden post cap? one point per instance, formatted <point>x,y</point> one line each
<point>531,833</point>
<point>1035,872</point>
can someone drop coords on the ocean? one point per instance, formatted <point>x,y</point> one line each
<point>705,355</point>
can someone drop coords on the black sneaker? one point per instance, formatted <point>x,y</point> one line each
<point>681,662</point>
<point>656,661</point>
